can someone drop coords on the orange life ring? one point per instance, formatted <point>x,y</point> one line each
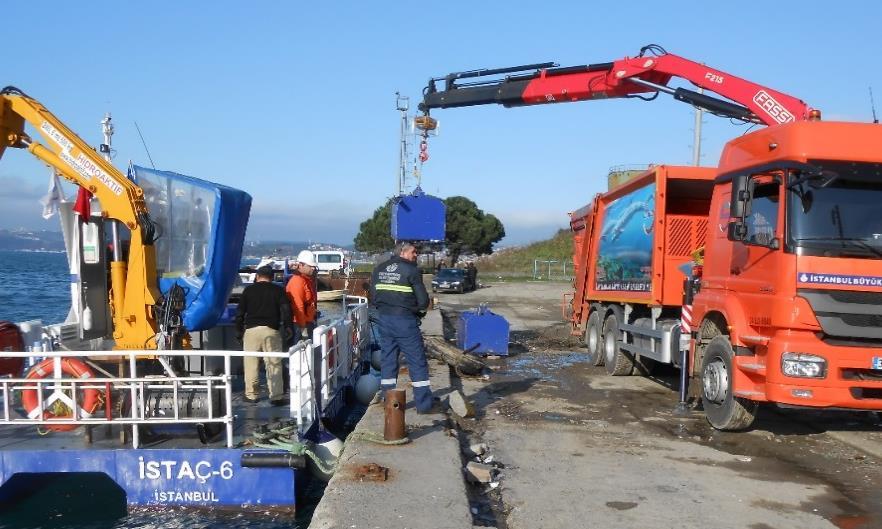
<point>91,398</point>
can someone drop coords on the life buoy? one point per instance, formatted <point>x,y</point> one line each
<point>88,403</point>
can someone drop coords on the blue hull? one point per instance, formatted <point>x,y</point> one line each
<point>204,478</point>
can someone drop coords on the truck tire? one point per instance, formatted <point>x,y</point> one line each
<point>724,411</point>
<point>616,361</point>
<point>593,338</point>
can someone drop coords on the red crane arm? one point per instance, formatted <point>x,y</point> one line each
<point>628,77</point>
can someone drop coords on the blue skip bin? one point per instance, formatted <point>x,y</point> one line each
<point>480,331</point>
<point>418,217</point>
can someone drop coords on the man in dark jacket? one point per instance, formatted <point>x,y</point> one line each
<point>400,299</point>
<point>264,315</point>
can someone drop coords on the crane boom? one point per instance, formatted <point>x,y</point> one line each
<point>134,291</point>
<point>643,76</point>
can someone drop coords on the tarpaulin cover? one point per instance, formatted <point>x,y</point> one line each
<point>202,229</point>
<point>418,217</point>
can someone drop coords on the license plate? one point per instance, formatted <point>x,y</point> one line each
<point>877,362</point>
<point>445,285</point>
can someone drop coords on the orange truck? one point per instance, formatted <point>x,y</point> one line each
<point>761,279</point>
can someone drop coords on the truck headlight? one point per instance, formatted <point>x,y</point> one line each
<point>803,365</point>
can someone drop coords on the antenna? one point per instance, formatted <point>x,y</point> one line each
<point>144,143</point>
<point>402,103</point>
<point>873,106</point>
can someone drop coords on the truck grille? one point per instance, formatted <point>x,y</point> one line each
<point>847,314</point>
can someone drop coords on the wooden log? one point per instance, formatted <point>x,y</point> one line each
<point>466,364</point>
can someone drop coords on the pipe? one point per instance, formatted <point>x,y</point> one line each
<point>272,460</point>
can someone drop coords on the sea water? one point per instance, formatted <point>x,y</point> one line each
<point>36,286</point>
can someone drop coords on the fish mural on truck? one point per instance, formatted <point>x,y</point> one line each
<point>624,260</point>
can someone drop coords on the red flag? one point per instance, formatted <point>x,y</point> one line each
<point>82,206</point>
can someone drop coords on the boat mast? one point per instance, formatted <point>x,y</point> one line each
<point>107,130</point>
<point>402,103</point>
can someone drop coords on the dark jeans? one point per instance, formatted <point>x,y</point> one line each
<point>402,334</point>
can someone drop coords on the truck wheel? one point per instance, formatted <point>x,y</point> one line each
<point>617,363</point>
<point>593,339</point>
<point>723,410</point>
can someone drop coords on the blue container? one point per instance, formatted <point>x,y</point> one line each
<point>480,331</point>
<point>418,217</point>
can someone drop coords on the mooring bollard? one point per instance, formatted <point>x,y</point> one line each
<point>394,429</point>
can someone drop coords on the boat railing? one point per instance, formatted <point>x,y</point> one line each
<point>61,400</point>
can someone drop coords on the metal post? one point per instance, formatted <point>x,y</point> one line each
<point>133,373</point>
<point>696,141</point>
<point>294,404</point>
<point>228,379</point>
<point>682,407</point>
<point>394,428</point>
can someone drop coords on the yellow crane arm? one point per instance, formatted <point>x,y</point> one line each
<point>133,287</point>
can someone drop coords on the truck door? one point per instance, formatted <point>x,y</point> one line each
<point>757,260</point>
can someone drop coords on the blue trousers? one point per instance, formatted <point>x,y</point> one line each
<point>402,334</point>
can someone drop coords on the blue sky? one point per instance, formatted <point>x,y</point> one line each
<point>295,102</point>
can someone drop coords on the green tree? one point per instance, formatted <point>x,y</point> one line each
<point>469,229</point>
<point>375,234</point>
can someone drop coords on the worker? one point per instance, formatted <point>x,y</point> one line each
<point>400,300</point>
<point>302,295</point>
<point>472,271</point>
<point>263,317</point>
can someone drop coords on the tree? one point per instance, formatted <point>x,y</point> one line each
<point>470,229</point>
<point>375,234</point>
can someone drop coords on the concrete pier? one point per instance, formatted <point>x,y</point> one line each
<point>424,486</point>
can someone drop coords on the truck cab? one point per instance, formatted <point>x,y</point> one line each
<point>790,294</point>
<point>330,261</point>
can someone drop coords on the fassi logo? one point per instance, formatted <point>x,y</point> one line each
<point>774,109</point>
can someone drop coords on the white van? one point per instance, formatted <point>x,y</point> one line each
<point>329,261</point>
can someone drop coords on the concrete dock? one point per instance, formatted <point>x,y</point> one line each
<point>574,447</point>
<point>424,487</point>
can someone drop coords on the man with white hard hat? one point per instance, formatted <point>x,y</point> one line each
<point>301,291</point>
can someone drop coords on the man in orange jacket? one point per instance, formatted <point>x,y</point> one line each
<point>302,294</point>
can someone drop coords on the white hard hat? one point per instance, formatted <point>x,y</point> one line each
<point>306,257</point>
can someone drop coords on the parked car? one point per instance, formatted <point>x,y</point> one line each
<point>452,280</point>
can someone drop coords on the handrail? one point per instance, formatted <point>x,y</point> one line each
<point>340,343</point>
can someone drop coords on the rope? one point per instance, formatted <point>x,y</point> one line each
<point>374,437</point>
<point>282,437</point>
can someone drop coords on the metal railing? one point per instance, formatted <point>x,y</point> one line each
<point>60,400</point>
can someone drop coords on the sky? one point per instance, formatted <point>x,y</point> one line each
<point>294,102</point>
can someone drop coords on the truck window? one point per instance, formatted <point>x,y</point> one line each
<point>763,219</point>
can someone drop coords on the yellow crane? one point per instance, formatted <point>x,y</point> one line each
<point>133,281</point>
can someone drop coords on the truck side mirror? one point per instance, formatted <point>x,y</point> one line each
<point>737,230</point>
<point>740,197</point>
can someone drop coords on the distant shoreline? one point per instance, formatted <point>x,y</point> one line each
<point>26,250</point>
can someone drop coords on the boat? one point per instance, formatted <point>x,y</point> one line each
<point>168,425</point>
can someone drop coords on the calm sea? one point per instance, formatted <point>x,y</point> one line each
<point>34,286</point>
<point>37,286</point>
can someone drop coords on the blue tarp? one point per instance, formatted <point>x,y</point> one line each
<point>202,228</point>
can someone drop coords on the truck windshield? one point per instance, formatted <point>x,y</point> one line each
<point>838,214</point>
